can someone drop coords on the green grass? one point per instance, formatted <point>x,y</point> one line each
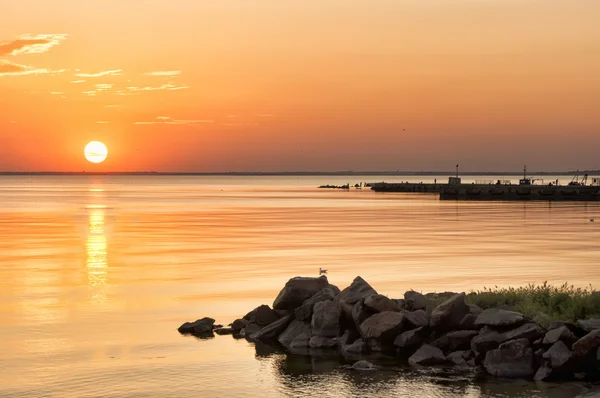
<point>542,303</point>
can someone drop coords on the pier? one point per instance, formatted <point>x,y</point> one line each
<point>500,192</point>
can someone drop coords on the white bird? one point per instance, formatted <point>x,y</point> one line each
<point>322,271</point>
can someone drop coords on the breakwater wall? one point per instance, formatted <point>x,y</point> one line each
<point>508,192</point>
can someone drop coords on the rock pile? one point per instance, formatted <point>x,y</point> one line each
<point>311,314</point>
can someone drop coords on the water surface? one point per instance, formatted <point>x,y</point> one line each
<point>96,274</point>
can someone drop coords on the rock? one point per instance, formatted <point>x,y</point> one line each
<point>468,323</point>
<point>360,313</point>
<point>427,355</point>
<point>460,358</point>
<point>410,339</point>
<point>359,289</point>
<point>297,290</point>
<point>383,327</point>
<point>379,303</point>
<point>273,330</point>
<point>461,339</point>
<point>262,316</point>
<point>198,327</point>
<point>589,324</point>
<point>344,339</point>
<point>442,342</point>
<point>238,325</point>
<point>500,318</point>
<point>219,326</point>
<point>543,372</point>
<point>416,319</point>
<point>305,311</point>
<point>512,359</point>
<point>489,338</point>
<point>558,355</point>
<point>474,309</point>
<point>447,316</point>
<point>414,301</point>
<point>321,342</point>
<point>249,330</point>
<point>223,331</point>
<point>293,330</point>
<point>538,358</point>
<point>358,347</point>
<point>326,319</point>
<point>363,365</point>
<point>400,304</point>
<point>559,334</point>
<point>588,343</point>
<point>301,341</point>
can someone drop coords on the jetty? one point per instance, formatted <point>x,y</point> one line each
<point>501,190</point>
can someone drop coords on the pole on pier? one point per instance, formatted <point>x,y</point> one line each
<point>456,171</point>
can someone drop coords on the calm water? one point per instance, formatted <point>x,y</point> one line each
<point>96,274</point>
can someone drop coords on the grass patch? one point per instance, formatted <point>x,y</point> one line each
<point>542,303</point>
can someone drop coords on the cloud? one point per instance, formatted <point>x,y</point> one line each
<point>56,92</point>
<point>101,87</point>
<point>167,86</point>
<point>12,69</point>
<point>168,120</point>
<point>31,44</point>
<point>112,106</point>
<point>99,74</point>
<point>78,81</point>
<point>102,122</point>
<point>164,73</point>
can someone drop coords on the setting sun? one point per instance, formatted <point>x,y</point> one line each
<point>95,152</point>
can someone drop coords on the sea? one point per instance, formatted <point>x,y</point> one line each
<point>98,272</point>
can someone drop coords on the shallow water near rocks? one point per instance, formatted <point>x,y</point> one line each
<point>97,273</point>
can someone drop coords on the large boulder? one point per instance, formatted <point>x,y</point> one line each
<point>475,309</point>
<point>360,313</point>
<point>326,319</point>
<point>447,316</point>
<point>468,323</point>
<point>414,301</point>
<point>382,327</point>
<point>559,334</point>
<point>297,290</point>
<point>589,324</point>
<point>558,355</point>
<point>293,330</point>
<point>588,343</point>
<point>543,373</point>
<point>409,340</point>
<point>359,289</point>
<point>249,330</point>
<point>198,327</point>
<point>500,318</point>
<point>301,341</point>
<point>512,359</point>
<point>490,338</point>
<point>461,339</point>
<point>261,316</point>
<point>305,311</point>
<point>427,356</point>
<point>379,303</point>
<point>363,365</point>
<point>416,319</point>
<point>273,330</point>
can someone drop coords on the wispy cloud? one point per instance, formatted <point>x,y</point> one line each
<point>164,73</point>
<point>112,106</point>
<point>167,86</point>
<point>100,74</point>
<point>185,122</point>
<point>31,44</point>
<point>56,92</point>
<point>12,69</point>
<point>78,81</point>
<point>101,87</point>
<point>102,122</point>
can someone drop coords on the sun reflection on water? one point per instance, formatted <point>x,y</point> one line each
<point>96,249</point>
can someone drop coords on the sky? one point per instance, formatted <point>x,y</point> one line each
<point>312,85</point>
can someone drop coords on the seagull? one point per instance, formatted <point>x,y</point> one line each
<point>322,271</point>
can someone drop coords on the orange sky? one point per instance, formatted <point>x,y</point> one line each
<point>271,85</point>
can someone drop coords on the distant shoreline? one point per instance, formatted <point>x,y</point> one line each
<point>295,173</point>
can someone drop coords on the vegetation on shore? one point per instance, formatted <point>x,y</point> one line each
<point>543,303</point>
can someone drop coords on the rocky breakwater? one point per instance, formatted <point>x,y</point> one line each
<point>311,315</point>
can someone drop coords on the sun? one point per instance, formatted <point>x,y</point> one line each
<point>95,152</point>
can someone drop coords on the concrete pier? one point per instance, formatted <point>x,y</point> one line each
<point>504,192</point>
